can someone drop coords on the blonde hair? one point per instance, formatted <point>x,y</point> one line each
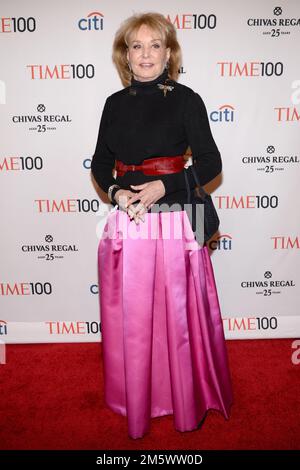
<point>156,22</point>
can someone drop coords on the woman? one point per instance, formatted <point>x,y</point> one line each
<point>162,333</point>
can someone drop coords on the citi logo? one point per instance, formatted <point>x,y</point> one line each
<point>3,327</point>
<point>94,289</point>
<point>93,22</point>
<point>222,242</point>
<point>225,113</point>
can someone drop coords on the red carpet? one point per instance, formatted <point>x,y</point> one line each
<point>52,398</point>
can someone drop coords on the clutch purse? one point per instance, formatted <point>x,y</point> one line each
<point>201,210</point>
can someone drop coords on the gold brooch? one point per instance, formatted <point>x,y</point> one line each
<point>165,88</point>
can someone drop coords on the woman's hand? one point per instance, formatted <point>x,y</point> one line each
<point>122,197</point>
<point>149,193</point>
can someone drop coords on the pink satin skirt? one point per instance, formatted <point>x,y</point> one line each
<point>162,333</point>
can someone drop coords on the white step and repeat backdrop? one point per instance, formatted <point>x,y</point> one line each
<point>56,72</point>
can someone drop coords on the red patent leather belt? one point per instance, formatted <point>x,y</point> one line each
<point>154,166</point>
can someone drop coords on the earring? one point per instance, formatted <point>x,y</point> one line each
<point>167,65</point>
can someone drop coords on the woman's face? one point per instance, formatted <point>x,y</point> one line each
<point>147,54</point>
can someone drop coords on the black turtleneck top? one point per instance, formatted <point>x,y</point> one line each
<point>139,122</point>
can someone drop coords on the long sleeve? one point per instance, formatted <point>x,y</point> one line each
<point>103,160</point>
<point>206,156</point>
